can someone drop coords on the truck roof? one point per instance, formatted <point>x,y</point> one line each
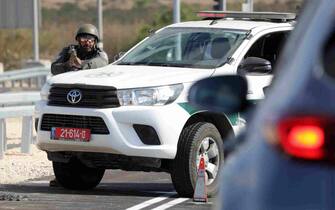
<point>232,24</point>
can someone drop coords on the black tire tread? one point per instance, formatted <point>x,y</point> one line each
<point>70,175</point>
<point>180,173</point>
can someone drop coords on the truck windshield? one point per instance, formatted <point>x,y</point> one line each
<point>186,47</point>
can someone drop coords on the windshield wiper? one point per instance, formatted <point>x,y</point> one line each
<point>157,64</point>
<point>125,63</point>
<point>132,63</point>
<point>171,64</point>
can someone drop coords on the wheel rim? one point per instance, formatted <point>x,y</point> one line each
<point>210,151</point>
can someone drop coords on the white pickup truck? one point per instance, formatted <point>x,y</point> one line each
<point>134,115</point>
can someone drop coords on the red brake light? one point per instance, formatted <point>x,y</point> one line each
<point>306,137</point>
<point>303,137</point>
<point>211,15</point>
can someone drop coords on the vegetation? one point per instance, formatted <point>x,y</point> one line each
<point>122,27</point>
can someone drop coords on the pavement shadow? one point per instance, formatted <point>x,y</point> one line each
<point>103,189</point>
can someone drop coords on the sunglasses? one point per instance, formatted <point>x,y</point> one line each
<point>85,38</point>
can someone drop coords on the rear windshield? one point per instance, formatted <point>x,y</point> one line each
<point>186,47</point>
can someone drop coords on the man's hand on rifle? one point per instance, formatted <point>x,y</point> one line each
<point>74,61</point>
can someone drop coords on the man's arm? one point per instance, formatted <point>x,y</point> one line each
<point>59,68</point>
<point>98,61</point>
<point>61,65</point>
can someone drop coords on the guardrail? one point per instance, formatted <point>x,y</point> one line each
<point>13,105</point>
<point>32,78</point>
<point>20,104</point>
<point>19,98</point>
<point>27,127</point>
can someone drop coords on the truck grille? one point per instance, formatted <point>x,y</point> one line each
<point>91,96</point>
<point>96,124</point>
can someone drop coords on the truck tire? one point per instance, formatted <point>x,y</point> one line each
<point>75,175</point>
<point>196,139</point>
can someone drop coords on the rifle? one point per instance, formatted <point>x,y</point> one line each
<point>73,57</point>
<point>72,51</point>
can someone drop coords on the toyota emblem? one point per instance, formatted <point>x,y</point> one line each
<point>74,96</point>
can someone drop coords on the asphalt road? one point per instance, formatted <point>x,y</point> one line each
<point>118,190</point>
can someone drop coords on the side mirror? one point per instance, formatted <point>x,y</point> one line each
<point>118,56</point>
<point>254,65</point>
<point>220,94</point>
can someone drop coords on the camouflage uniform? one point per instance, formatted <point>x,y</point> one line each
<point>91,60</point>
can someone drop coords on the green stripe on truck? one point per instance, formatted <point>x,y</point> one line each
<point>189,108</point>
<point>233,118</point>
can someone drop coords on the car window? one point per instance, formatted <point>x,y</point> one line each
<point>186,47</point>
<point>268,46</point>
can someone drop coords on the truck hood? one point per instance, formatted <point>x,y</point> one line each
<point>122,77</point>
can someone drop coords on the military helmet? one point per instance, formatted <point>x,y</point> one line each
<point>88,29</point>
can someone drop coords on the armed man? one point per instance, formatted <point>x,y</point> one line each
<point>85,55</point>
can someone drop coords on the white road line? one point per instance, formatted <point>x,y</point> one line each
<point>37,182</point>
<point>147,203</point>
<point>171,203</point>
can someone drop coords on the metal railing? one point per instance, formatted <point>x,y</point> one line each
<point>26,112</point>
<point>30,78</point>
<point>14,105</point>
<point>19,98</point>
<point>20,104</point>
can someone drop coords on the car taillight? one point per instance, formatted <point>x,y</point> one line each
<point>307,137</point>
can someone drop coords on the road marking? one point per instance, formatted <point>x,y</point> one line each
<point>171,203</point>
<point>37,182</point>
<point>147,203</point>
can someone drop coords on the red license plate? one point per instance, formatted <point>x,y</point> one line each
<point>73,134</point>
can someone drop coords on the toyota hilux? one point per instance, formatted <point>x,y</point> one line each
<point>134,115</point>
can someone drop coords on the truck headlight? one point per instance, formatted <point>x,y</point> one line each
<point>150,96</point>
<point>45,91</point>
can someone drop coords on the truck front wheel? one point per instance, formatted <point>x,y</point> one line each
<point>75,175</point>
<point>196,140</point>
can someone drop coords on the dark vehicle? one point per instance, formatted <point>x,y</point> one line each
<point>287,156</point>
